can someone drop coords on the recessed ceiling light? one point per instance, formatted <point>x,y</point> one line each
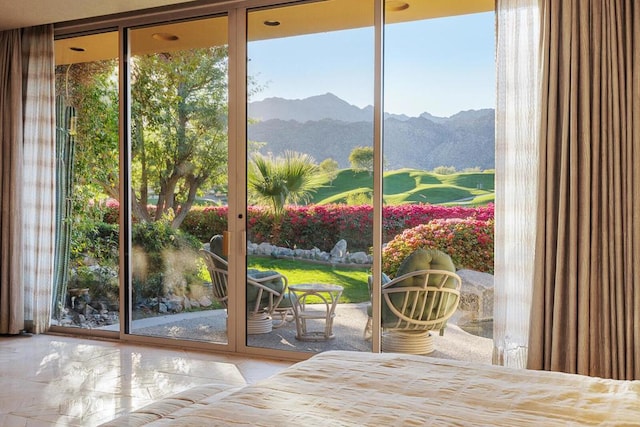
<point>396,5</point>
<point>77,49</point>
<point>271,23</point>
<point>165,37</point>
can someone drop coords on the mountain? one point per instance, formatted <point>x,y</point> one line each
<point>327,126</point>
<point>327,106</point>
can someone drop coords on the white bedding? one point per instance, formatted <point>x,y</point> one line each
<point>340,388</point>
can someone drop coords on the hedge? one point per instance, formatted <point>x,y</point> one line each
<point>322,226</point>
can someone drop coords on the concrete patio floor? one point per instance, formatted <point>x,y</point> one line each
<point>348,328</point>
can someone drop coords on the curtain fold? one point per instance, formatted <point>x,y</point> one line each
<point>585,314</point>
<point>27,176</point>
<point>517,117</point>
<point>39,175</point>
<point>11,268</point>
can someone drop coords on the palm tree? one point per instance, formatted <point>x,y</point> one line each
<point>278,181</point>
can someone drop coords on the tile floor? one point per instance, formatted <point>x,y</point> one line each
<point>48,380</point>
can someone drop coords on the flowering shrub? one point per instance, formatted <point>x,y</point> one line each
<point>468,241</point>
<point>398,218</point>
<point>322,226</point>
<point>204,223</point>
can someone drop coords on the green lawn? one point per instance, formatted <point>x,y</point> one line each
<point>352,279</point>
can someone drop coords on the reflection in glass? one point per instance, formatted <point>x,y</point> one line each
<point>178,170</point>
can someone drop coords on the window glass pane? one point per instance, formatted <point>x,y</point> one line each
<point>86,281</point>
<point>438,182</point>
<point>309,206</point>
<point>178,172</point>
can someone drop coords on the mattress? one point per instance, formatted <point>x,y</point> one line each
<point>342,388</point>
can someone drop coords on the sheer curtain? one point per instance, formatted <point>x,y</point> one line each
<point>27,177</point>
<point>586,299</point>
<point>517,117</point>
<point>38,175</point>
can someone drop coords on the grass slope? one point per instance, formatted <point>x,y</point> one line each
<point>411,186</point>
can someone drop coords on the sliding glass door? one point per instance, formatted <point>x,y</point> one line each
<point>310,171</point>
<point>439,163</point>
<point>178,119</point>
<point>86,292</point>
<point>248,187</point>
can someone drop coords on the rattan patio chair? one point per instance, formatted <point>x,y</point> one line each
<point>417,302</point>
<point>266,293</point>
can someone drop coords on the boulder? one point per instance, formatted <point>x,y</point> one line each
<point>339,250</point>
<point>205,301</point>
<point>476,296</point>
<point>359,258</point>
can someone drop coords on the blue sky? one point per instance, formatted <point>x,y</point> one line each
<point>440,66</point>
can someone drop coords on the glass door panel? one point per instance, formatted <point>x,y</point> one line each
<point>439,145</point>
<point>309,175</point>
<point>86,280</point>
<point>179,150</point>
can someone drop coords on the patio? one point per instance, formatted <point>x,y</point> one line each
<point>348,327</point>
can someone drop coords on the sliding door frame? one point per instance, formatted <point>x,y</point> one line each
<point>236,12</point>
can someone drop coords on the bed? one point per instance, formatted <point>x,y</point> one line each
<point>343,388</point>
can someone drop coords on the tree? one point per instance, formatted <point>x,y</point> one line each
<point>361,158</point>
<point>92,89</point>
<point>179,129</point>
<point>444,170</point>
<point>329,168</point>
<point>278,181</point>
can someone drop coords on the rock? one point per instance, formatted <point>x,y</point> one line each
<point>88,310</point>
<point>265,248</point>
<point>205,301</point>
<point>173,306</point>
<point>282,252</point>
<point>359,258</point>
<point>339,250</point>
<point>187,303</point>
<point>476,296</point>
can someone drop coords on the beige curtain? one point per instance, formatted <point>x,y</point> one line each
<point>586,298</point>
<point>517,116</point>
<point>38,175</point>
<point>27,177</point>
<point>11,271</point>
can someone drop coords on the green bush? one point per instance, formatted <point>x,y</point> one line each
<point>94,242</point>
<point>469,242</point>
<point>206,222</point>
<point>164,260</point>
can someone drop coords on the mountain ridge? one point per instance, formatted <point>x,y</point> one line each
<point>325,126</point>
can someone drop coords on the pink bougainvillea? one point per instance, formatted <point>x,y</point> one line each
<point>466,233</point>
<point>469,242</point>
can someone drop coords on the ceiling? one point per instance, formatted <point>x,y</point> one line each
<point>20,13</point>
<point>314,17</point>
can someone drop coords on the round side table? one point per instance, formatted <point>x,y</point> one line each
<point>329,294</point>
